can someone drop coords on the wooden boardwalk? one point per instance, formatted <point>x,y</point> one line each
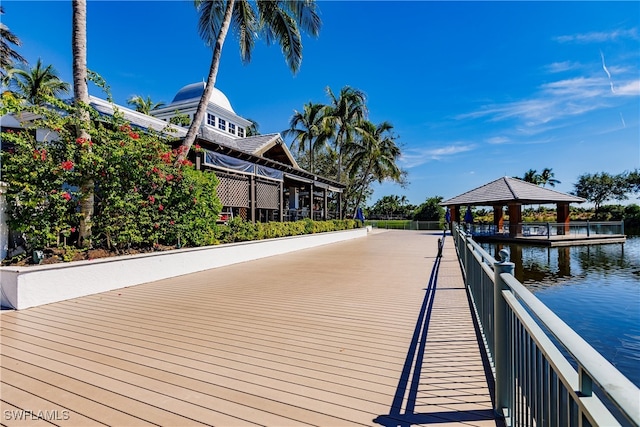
<point>354,333</point>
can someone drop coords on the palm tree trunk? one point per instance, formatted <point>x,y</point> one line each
<point>211,81</point>
<point>361,192</point>
<point>81,98</point>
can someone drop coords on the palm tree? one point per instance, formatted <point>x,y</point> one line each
<point>309,127</point>
<point>277,20</point>
<point>547,177</point>
<point>81,101</point>
<point>373,156</point>
<point>8,56</point>
<point>253,129</point>
<point>36,84</point>
<point>347,111</point>
<point>142,105</point>
<point>531,176</point>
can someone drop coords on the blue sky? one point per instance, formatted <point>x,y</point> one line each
<point>475,90</point>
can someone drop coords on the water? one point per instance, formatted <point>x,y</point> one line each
<point>595,289</point>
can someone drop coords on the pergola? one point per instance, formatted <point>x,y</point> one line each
<point>513,193</point>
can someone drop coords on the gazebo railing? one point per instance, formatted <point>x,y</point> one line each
<point>586,229</point>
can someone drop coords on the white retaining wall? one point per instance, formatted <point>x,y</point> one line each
<point>24,287</point>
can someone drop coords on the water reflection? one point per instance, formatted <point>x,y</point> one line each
<point>594,288</point>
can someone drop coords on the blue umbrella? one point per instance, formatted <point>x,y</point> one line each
<point>359,215</point>
<point>447,216</point>
<point>468,216</point>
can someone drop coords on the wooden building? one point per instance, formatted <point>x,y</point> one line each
<point>259,178</point>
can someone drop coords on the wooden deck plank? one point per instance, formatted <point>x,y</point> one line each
<point>318,336</point>
<point>26,395</point>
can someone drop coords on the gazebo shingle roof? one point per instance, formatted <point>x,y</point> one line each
<point>507,190</point>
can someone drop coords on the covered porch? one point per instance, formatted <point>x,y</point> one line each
<point>259,189</point>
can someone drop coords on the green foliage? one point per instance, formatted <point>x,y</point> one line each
<point>430,210</point>
<point>601,187</point>
<point>238,230</point>
<point>180,119</point>
<point>141,197</point>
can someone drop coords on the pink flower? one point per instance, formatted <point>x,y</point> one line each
<point>73,229</point>
<point>152,199</point>
<point>134,135</point>
<point>160,207</point>
<point>66,196</point>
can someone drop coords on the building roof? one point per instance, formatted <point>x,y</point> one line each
<point>136,118</point>
<point>257,145</point>
<point>194,91</point>
<point>508,190</point>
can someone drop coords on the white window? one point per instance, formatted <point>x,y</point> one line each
<point>211,119</point>
<point>232,128</point>
<point>240,132</point>
<point>222,124</point>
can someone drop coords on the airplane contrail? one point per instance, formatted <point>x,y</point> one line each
<point>624,125</point>
<point>606,70</point>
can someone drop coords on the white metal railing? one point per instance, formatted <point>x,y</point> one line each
<point>545,373</point>
<point>548,230</point>
<point>405,224</point>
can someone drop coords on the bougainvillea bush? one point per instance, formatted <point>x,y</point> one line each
<point>142,198</point>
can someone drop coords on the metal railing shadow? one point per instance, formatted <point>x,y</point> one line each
<point>405,401</point>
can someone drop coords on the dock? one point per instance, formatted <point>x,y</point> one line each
<point>372,331</point>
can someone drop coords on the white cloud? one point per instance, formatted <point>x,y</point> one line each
<point>416,157</point>
<point>599,36</point>
<point>559,67</point>
<point>631,88</point>
<point>498,140</point>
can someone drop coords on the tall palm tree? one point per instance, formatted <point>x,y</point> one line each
<point>346,112</point>
<point>8,56</point>
<point>277,20</point>
<point>309,128</point>
<point>373,156</point>
<point>81,102</point>
<point>547,177</point>
<point>142,105</point>
<point>35,84</point>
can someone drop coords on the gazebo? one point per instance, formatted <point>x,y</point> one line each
<point>513,193</point>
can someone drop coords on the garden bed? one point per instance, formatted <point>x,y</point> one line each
<point>24,287</point>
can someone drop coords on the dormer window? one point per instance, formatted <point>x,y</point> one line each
<point>211,120</point>
<point>222,124</point>
<point>232,128</point>
<point>240,132</point>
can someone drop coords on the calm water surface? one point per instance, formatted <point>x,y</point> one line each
<point>595,289</point>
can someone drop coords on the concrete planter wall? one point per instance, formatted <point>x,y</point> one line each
<point>24,287</point>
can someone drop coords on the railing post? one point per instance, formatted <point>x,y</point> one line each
<point>501,337</point>
<point>588,229</point>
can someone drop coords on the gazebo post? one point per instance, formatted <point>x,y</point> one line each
<point>455,214</point>
<point>498,217</point>
<point>562,218</point>
<point>515,219</point>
